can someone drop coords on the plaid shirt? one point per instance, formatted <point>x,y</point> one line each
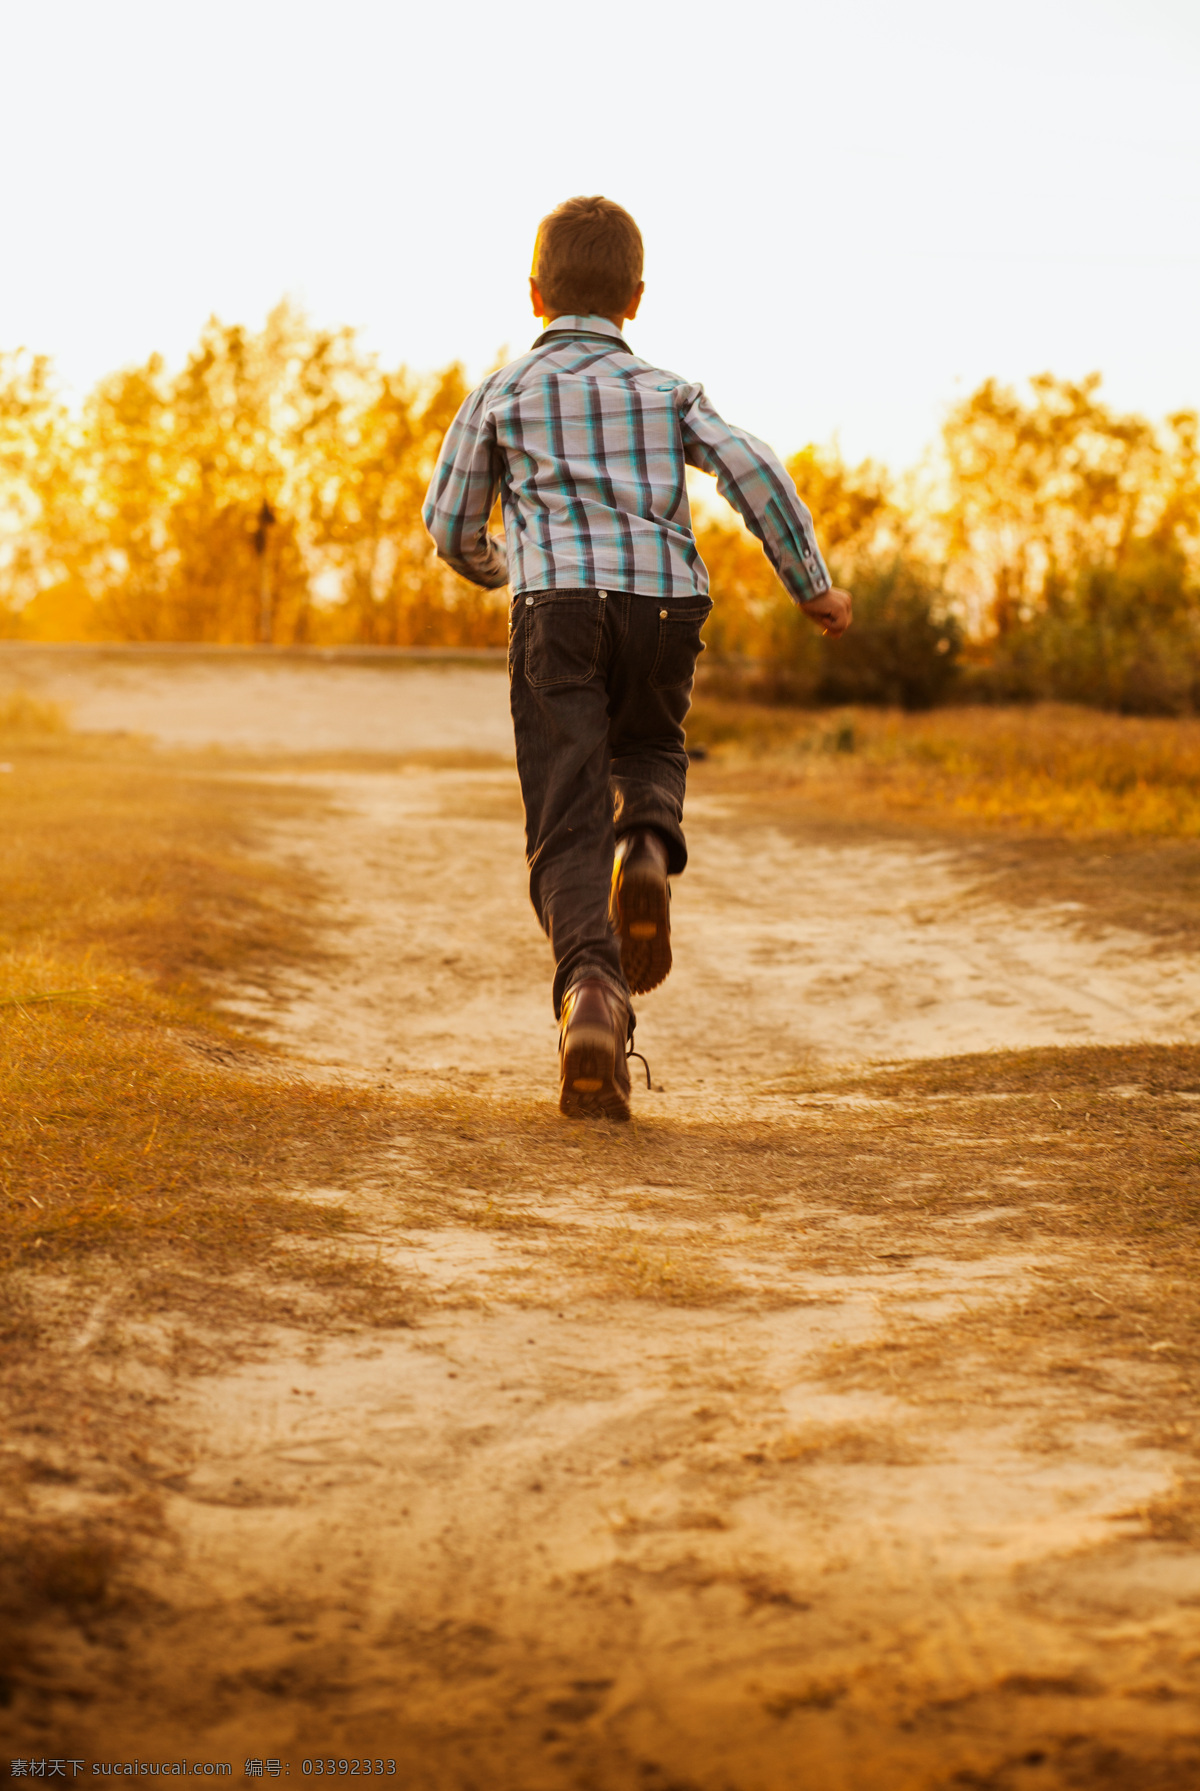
<point>587,447</point>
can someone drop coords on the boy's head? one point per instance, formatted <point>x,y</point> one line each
<point>588,260</point>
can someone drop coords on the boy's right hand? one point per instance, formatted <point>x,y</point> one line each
<point>832,613</point>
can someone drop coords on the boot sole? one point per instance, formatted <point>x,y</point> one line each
<point>642,922</point>
<point>589,1085</point>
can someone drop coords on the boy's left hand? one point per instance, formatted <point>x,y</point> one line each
<point>832,613</point>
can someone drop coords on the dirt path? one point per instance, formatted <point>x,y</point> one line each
<point>791,952</point>
<point>714,1459</point>
<point>239,697</point>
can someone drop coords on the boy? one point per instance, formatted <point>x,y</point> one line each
<point>587,447</point>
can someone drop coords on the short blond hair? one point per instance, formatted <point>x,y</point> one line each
<point>588,257</point>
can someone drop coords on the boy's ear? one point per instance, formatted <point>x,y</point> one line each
<point>539,305</point>
<point>631,309</point>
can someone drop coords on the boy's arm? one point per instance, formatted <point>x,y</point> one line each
<point>752,478</point>
<point>460,498</point>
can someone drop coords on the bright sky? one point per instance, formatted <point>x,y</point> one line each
<point>853,210</point>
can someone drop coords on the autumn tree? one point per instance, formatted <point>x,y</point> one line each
<point>279,474</point>
<point>367,521</point>
<point>282,464</point>
<point>1072,539</point>
<point>38,500</point>
<point>1040,489</point>
<point>852,508</point>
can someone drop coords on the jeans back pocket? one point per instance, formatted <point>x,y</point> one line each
<point>679,643</point>
<point>562,638</point>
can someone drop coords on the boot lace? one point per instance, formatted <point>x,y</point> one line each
<point>631,1053</point>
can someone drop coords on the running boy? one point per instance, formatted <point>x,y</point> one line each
<point>587,446</point>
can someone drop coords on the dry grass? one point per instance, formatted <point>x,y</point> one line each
<point>131,1112</point>
<point>628,1266</point>
<point>1049,769</point>
<point>1094,1149</point>
<point>114,1132</point>
<point>24,718</point>
<point>143,860</point>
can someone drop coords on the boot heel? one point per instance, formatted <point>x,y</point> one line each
<point>593,1074</point>
<point>641,918</point>
<point>589,1061</point>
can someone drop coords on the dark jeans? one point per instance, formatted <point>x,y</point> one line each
<point>600,682</point>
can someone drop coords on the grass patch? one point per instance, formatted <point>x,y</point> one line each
<point>111,1131</point>
<point>1110,1135</point>
<point>1080,1070</point>
<point>1047,768</point>
<point>24,718</point>
<point>143,860</point>
<point>631,1268</point>
<point>132,1113</point>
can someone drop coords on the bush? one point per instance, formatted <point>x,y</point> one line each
<point>1121,637</point>
<point>902,649</point>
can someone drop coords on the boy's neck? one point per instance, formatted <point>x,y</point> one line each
<point>620,318</point>
<point>554,316</point>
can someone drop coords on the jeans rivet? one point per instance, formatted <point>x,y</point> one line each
<point>529,603</point>
<point>662,615</point>
<point>602,594</point>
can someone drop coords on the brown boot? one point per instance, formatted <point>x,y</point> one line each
<point>591,1052</point>
<point>640,909</point>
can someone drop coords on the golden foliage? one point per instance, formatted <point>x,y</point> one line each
<point>1043,489</point>
<point>272,489</point>
<point>278,475</point>
<point>1059,537</point>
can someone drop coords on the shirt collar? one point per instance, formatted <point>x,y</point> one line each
<point>573,323</point>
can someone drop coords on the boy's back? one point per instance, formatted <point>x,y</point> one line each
<point>587,446</point>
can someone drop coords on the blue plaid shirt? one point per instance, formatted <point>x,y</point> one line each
<point>587,447</point>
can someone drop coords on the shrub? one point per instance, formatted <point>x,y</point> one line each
<point>903,647</point>
<point>1123,637</point>
<point>902,650</point>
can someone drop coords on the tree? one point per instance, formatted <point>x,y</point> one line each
<point>394,591</point>
<point>1073,541</point>
<point>1040,488</point>
<point>36,485</point>
<point>140,518</point>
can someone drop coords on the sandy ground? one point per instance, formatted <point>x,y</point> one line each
<point>795,951</point>
<point>546,1538</point>
<point>240,698</point>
